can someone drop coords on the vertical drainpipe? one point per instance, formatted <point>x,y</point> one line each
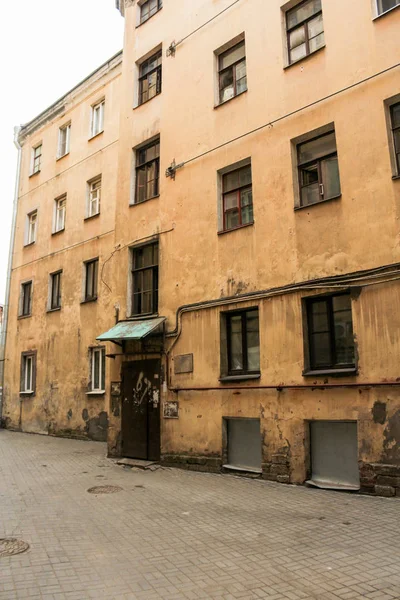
<point>3,338</point>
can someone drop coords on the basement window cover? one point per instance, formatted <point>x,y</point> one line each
<point>132,330</point>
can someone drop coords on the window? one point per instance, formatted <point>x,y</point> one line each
<point>147,172</point>
<point>31,228</point>
<point>94,196</point>
<point>305,29</point>
<point>237,198</point>
<point>232,72</point>
<point>55,290</point>
<point>98,370</point>
<point>26,299</point>
<point>91,271</point>
<point>395,126</point>
<point>97,118</point>
<point>63,140</point>
<point>145,279</point>
<point>150,78</point>
<point>59,213</point>
<point>318,169</point>
<point>148,9</point>
<point>28,372</point>
<point>36,159</point>
<point>243,342</point>
<point>385,5</point>
<point>330,332</point>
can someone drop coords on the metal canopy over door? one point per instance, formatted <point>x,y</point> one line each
<point>334,455</point>
<point>244,444</point>
<point>141,410</point>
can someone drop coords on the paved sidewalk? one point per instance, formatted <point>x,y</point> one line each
<point>173,534</point>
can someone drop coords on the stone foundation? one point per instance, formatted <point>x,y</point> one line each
<point>380,479</point>
<point>210,464</point>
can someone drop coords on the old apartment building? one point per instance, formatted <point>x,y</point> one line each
<point>244,306</point>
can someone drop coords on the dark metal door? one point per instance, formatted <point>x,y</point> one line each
<point>141,410</point>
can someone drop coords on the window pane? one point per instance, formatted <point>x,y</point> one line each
<point>317,42</point>
<point>226,86</point>
<point>232,219</point>
<point>246,197</point>
<point>297,37</point>
<point>310,194</point>
<point>320,350</point>
<point>330,177</point>
<point>395,110</point>
<point>28,374</point>
<point>147,302</point>
<point>253,341</point>
<point>305,11</point>
<point>230,200</point>
<point>147,280</point>
<point>396,135</point>
<point>319,317</point>
<point>152,83</point>
<point>141,184</point>
<point>231,181</point>
<point>147,256</point>
<point>231,56</point>
<point>96,370</point>
<point>236,351</point>
<point>315,26</point>
<point>384,5</point>
<point>245,176</point>
<point>344,341</point>
<point>103,369</point>
<point>247,214</point>
<point>309,175</point>
<point>317,148</point>
<point>298,53</point>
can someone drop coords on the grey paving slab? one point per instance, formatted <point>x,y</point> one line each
<point>173,535</point>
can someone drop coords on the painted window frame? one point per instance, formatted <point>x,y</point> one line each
<point>378,8</point>
<point>227,342</point>
<point>147,165</point>
<point>31,227</point>
<point>144,77</point>
<point>289,30</point>
<point>28,374</point>
<point>395,137</point>
<point>91,274</point>
<point>97,353</point>
<point>147,3</point>
<point>26,296</point>
<point>60,208</point>
<point>64,138</point>
<point>138,275</point>
<point>312,367</point>
<point>36,159</point>
<point>223,175</point>
<point>97,124</point>
<point>231,68</point>
<point>94,185</point>
<point>55,290</point>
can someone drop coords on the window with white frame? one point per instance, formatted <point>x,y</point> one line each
<point>97,370</point>
<point>97,123</point>
<point>59,213</point>
<point>28,372</point>
<point>36,159</point>
<point>148,9</point>
<point>386,5</point>
<point>31,228</point>
<point>93,197</point>
<point>64,134</point>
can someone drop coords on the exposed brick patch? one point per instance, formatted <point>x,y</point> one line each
<point>380,479</point>
<point>194,463</point>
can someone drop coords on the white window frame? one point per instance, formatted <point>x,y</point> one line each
<point>64,130</point>
<point>31,227</point>
<point>36,168</point>
<point>93,199</point>
<point>27,383</point>
<point>378,13</point>
<point>59,209</point>
<point>97,124</point>
<point>99,352</point>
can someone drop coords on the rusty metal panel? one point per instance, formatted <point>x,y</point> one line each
<point>183,363</point>
<point>131,330</point>
<point>244,444</point>
<point>334,455</point>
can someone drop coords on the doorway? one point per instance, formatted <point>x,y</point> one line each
<point>141,409</point>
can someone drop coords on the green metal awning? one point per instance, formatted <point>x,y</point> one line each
<point>131,330</point>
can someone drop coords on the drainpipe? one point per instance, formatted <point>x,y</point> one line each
<point>3,337</point>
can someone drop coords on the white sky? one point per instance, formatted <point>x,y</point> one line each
<point>47,47</point>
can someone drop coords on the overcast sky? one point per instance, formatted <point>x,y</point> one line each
<point>47,46</point>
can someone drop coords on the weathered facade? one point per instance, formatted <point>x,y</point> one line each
<point>256,285</point>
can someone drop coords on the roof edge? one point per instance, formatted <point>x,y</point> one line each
<point>59,105</point>
<point>120,5</point>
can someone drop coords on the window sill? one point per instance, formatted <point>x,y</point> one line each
<point>333,372</point>
<point>57,232</point>
<point>147,20</point>
<point>33,174</point>
<point>143,316</point>
<point>91,217</point>
<point>30,244</point>
<point>24,316</point>
<point>317,203</point>
<point>396,176</point>
<point>232,378</point>
<point>144,201</point>
<point>230,99</point>
<point>95,135</point>
<point>27,394</point>
<point>386,12</point>
<point>96,393</point>
<point>88,300</point>
<point>146,101</point>
<point>63,156</point>
<point>51,310</point>
<point>235,228</point>
<point>287,66</point>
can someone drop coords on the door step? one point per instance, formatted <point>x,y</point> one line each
<point>137,463</point>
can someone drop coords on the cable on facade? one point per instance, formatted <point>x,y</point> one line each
<point>172,47</point>
<point>170,172</point>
